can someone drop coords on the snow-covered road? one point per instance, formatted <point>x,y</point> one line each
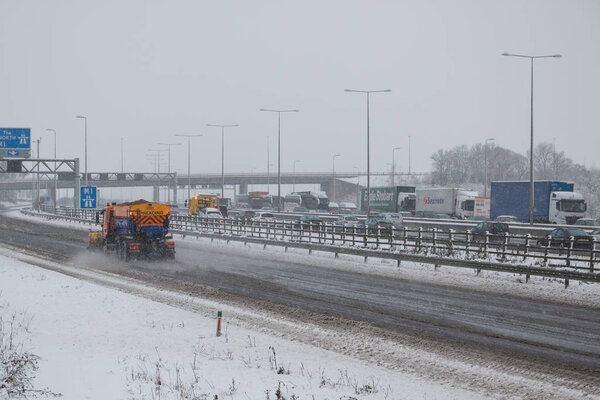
<point>413,369</point>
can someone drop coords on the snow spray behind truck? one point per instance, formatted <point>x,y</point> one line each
<point>390,199</point>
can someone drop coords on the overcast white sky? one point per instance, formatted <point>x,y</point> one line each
<point>146,70</point>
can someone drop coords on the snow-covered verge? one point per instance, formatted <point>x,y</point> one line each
<point>96,342</point>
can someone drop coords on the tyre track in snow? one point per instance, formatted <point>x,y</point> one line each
<point>343,295</point>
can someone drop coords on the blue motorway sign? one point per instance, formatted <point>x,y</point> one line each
<point>88,197</point>
<point>15,138</point>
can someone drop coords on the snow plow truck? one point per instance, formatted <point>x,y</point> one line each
<point>135,230</point>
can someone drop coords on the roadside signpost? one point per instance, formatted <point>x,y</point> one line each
<point>88,197</point>
<point>15,142</point>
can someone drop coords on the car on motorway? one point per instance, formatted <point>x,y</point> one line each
<point>496,230</point>
<point>347,205</point>
<point>405,214</point>
<point>394,218</point>
<point>561,237</point>
<point>309,222</point>
<point>244,216</point>
<point>506,218</point>
<point>263,216</point>
<point>375,225</point>
<point>344,211</point>
<point>211,213</point>
<point>333,207</point>
<point>595,234</point>
<point>300,209</point>
<point>346,223</point>
<point>587,222</point>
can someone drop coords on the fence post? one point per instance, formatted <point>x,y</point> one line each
<point>419,237</point>
<point>504,246</point>
<point>467,242</point>
<point>433,241</point>
<point>546,250</point>
<point>527,242</point>
<point>569,251</point>
<point>450,247</point>
<point>332,233</point>
<point>486,244</point>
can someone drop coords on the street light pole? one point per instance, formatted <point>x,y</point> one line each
<point>357,185</point>
<point>222,154</point>
<point>168,163</point>
<point>121,154</point>
<point>189,176</point>
<point>278,151</point>
<point>531,185</point>
<point>333,177</point>
<point>37,186</point>
<point>55,178</point>
<point>368,93</point>
<point>294,181</point>
<point>268,170</point>
<point>158,157</point>
<point>409,156</point>
<point>485,184</point>
<point>394,164</point>
<point>85,127</point>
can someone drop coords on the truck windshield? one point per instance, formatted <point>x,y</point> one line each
<point>468,205</point>
<point>573,205</point>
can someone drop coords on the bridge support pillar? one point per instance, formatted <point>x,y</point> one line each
<point>243,188</point>
<point>156,193</point>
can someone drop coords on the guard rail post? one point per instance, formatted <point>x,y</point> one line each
<point>527,242</point>
<point>486,244</point>
<point>450,247</point>
<point>546,252</point>
<point>504,246</point>
<point>467,242</point>
<point>570,250</point>
<point>434,241</point>
<point>332,234</point>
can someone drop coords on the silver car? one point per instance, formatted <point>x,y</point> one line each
<point>346,222</point>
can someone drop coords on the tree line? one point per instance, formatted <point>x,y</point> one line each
<point>464,166</point>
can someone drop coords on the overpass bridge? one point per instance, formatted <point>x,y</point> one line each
<point>64,174</point>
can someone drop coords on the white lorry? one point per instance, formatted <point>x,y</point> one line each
<point>454,202</point>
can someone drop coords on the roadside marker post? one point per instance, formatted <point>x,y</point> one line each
<point>219,315</point>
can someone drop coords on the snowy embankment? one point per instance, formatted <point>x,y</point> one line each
<point>100,343</point>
